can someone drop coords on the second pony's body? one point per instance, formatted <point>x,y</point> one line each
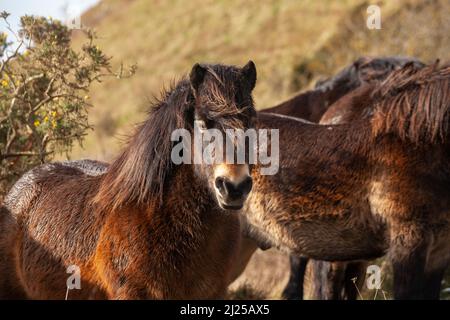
<point>375,186</point>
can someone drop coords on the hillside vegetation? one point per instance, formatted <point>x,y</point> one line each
<point>292,42</point>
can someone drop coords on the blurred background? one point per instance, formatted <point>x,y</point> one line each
<point>293,43</point>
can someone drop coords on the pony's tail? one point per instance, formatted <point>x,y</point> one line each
<point>414,103</point>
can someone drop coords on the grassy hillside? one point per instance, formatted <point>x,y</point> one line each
<point>165,38</point>
<point>409,28</point>
<point>292,43</point>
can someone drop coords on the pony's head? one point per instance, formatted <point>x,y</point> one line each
<point>223,102</point>
<point>215,97</point>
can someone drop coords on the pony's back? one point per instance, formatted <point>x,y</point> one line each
<point>28,187</point>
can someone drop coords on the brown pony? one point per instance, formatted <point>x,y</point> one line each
<point>343,280</point>
<point>371,187</point>
<point>144,227</point>
<point>310,105</point>
<point>325,280</point>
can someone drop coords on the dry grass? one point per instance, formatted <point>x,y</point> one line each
<point>165,38</point>
<point>264,277</point>
<point>413,28</point>
<point>292,43</point>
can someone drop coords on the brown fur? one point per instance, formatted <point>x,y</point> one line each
<point>334,280</point>
<point>348,108</point>
<point>355,191</point>
<point>354,106</point>
<point>143,228</point>
<point>334,97</point>
<point>310,105</point>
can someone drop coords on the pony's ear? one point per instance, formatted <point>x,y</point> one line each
<point>249,72</point>
<point>196,76</point>
<point>361,61</point>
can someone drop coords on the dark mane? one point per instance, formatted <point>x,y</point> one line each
<point>414,103</point>
<point>365,70</point>
<point>140,172</point>
<point>141,168</point>
<point>371,70</point>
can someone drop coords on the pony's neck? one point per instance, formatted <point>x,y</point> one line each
<point>192,233</point>
<point>187,201</point>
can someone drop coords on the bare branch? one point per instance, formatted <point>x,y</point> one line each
<point>8,58</point>
<point>22,154</point>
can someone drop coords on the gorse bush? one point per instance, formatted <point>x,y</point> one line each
<point>44,99</point>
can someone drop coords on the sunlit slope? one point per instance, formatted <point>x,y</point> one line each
<point>292,43</point>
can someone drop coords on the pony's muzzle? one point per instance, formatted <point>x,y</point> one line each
<point>232,194</point>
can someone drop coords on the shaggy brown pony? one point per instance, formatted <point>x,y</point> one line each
<point>375,186</point>
<point>310,105</point>
<point>343,280</point>
<point>144,227</point>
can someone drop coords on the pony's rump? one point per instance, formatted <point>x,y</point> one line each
<point>414,104</point>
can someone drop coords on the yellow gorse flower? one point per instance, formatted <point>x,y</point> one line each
<point>37,123</point>
<point>5,84</point>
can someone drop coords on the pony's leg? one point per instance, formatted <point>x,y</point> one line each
<point>294,287</point>
<point>408,254</point>
<point>432,289</point>
<point>325,280</point>
<point>438,261</point>
<point>355,275</point>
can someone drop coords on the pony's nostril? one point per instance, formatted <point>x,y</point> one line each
<point>232,190</point>
<point>220,184</point>
<point>246,185</point>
